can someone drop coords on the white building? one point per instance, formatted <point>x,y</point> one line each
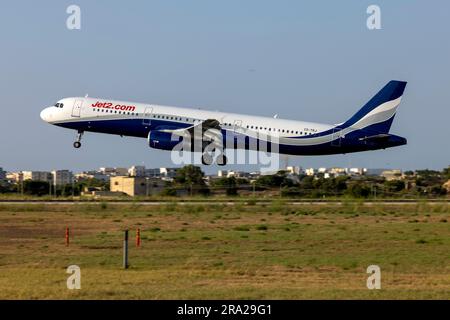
<point>222,173</point>
<point>310,171</point>
<point>114,171</point>
<point>91,175</point>
<point>107,171</point>
<point>338,171</point>
<point>293,169</point>
<point>43,176</point>
<point>357,171</point>
<point>62,177</point>
<point>168,172</point>
<point>15,177</point>
<point>153,173</point>
<point>394,174</point>
<point>137,171</point>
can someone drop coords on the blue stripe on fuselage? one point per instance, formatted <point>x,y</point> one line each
<point>137,128</point>
<point>125,127</point>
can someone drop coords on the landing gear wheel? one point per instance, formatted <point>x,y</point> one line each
<point>77,144</point>
<point>207,159</point>
<point>222,160</point>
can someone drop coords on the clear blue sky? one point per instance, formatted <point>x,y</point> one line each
<point>306,60</point>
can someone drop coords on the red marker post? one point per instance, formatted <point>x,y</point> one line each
<point>67,237</point>
<point>138,238</point>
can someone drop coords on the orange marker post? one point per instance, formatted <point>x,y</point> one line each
<point>138,238</point>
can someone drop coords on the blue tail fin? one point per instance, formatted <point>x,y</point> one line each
<point>377,114</point>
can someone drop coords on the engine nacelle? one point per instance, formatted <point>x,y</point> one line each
<point>163,140</point>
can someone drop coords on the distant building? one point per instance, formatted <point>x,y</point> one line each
<point>14,177</point>
<point>238,174</point>
<point>293,170</point>
<point>121,171</point>
<point>62,177</point>
<point>337,172</point>
<point>222,173</point>
<point>375,172</point>
<point>356,171</point>
<point>394,174</point>
<point>107,171</point>
<point>310,171</point>
<point>137,171</point>
<point>2,174</point>
<point>136,186</point>
<point>114,171</point>
<point>91,175</point>
<point>153,173</point>
<point>43,176</point>
<point>168,172</point>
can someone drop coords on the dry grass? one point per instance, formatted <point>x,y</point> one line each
<point>195,251</point>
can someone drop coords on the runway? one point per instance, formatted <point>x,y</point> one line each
<point>230,202</point>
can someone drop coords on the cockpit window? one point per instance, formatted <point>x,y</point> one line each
<point>59,105</point>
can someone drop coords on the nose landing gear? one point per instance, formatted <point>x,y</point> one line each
<point>77,144</point>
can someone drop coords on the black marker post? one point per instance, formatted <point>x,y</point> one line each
<point>125,250</point>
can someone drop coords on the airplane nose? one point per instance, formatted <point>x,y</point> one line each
<point>46,115</point>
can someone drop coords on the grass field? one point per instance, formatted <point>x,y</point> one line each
<point>224,251</point>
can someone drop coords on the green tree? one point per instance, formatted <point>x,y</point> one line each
<point>230,185</point>
<point>358,190</point>
<point>275,180</point>
<point>446,173</point>
<point>191,177</point>
<point>36,188</point>
<point>394,186</point>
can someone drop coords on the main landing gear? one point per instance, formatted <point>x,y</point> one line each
<point>77,144</point>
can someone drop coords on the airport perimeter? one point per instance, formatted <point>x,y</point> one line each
<point>226,250</point>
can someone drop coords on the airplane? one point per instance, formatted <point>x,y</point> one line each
<point>368,129</point>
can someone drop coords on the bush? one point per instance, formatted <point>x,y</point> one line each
<point>358,190</point>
